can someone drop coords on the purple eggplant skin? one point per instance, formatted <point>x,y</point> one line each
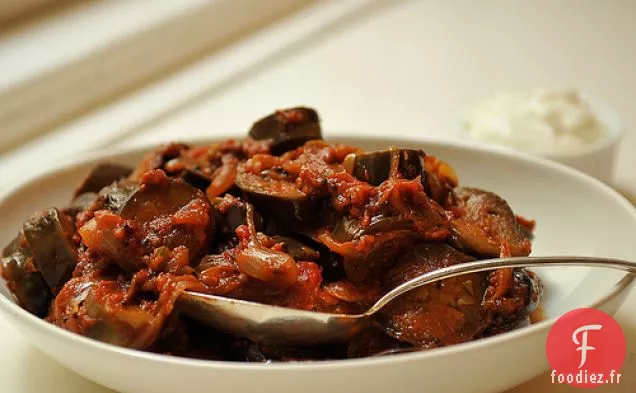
<point>100,176</point>
<point>48,235</point>
<point>287,129</point>
<point>196,178</point>
<point>234,216</point>
<point>115,196</point>
<point>484,209</point>
<point>348,228</point>
<point>375,167</point>
<point>106,184</point>
<point>144,202</point>
<point>23,280</point>
<point>280,200</point>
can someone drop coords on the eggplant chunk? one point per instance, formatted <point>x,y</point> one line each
<point>484,223</point>
<point>365,260</point>
<point>86,307</point>
<point>196,178</point>
<point>168,213</point>
<point>514,308</point>
<point>194,172</point>
<point>377,166</point>
<point>282,201</point>
<point>115,196</point>
<point>230,213</point>
<point>424,258</point>
<point>287,129</point>
<point>155,200</point>
<point>124,326</point>
<point>438,314</point>
<point>101,176</point>
<point>26,282</point>
<point>48,235</point>
<point>349,228</point>
<point>158,158</point>
<point>180,215</point>
<point>270,188</point>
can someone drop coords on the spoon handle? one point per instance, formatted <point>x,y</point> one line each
<point>499,263</point>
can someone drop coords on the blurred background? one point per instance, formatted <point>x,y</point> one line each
<point>95,73</point>
<point>78,75</point>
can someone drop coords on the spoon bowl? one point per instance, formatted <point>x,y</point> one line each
<point>271,324</point>
<point>286,326</point>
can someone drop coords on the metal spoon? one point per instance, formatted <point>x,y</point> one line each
<point>286,326</point>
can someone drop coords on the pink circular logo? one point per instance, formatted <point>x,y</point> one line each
<point>586,348</point>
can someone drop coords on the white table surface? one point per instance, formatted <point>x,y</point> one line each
<point>375,67</point>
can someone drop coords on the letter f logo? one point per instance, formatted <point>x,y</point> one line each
<point>583,344</point>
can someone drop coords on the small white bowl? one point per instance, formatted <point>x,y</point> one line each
<point>596,159</point>
<point>567,205</point>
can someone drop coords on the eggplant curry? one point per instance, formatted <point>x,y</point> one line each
<point>281,217</point>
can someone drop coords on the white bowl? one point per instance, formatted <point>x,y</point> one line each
<point>575,213</point>
<point>596,159</point>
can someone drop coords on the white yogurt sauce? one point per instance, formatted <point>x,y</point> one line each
<point>536,121</point>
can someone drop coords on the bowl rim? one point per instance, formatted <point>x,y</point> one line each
<point>11,309</point>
